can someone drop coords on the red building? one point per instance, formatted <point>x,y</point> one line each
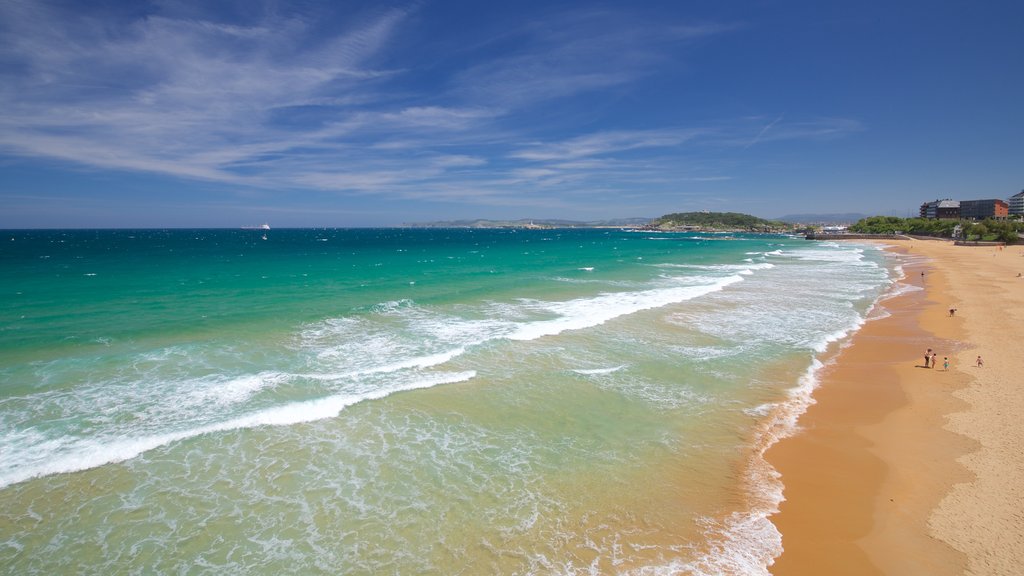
<point>982,209</point>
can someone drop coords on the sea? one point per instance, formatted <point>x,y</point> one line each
<point>409,401</point>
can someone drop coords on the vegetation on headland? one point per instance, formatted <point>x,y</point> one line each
<point>733,221</point>
<point>985,231</point>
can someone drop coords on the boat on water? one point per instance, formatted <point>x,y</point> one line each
<point>263,226</point>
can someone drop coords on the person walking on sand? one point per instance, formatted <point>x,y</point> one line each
<point>945,363</point>
<point>981,363</point>
<point>933,359</point>
<point>927,357</point>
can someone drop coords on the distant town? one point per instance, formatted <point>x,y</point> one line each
<point>988,220</point>
<point>967,221</point>
<point>995,209</point>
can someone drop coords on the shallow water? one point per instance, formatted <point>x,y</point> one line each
<point>400,401</point>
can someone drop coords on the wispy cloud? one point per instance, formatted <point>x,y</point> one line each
<point>161,94</point>
<point>571,53</point>
<point>604,143</point>
<point>763,131</point>
<point>817,129</point>
<point>780,130</point>
<point>286,102</point>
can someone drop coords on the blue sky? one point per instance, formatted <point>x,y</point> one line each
<point>306,113</point>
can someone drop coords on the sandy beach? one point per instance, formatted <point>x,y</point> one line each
<point>902,469</point>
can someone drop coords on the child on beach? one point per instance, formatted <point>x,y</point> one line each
<point>945,363</point>
<point>980,362</point>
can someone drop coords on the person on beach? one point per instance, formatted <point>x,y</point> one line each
<point>933,359</point>
<point>981,363</point>
<point>927,357</point>
<point>945,363</point>
<point>952,311</point>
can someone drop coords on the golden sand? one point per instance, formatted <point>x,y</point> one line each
<point>904,470</point>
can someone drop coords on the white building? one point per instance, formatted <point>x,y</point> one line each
<point>1016,203</point>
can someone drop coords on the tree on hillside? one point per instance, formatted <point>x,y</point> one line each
<point>731,220</point>
<point>989,230</point>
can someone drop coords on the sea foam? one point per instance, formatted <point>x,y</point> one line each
<point>46,456</point>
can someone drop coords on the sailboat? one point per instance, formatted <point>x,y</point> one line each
<point>263,227</point>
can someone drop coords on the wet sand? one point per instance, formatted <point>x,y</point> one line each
<point>901,469</point>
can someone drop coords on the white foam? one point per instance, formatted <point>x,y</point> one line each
<point>594,371</point>
<point>900,289</point>
<point>748,267</point>
<point>427,361</point>
<point>744,544</point>
<point>589,312</point>
<point>823,343</point>
<point>42,456</point>
<point>226,391</point>
<point>747,542</point>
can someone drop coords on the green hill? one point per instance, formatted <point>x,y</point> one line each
<point>718,221</point>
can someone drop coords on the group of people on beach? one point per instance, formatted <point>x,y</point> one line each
<point>929,360</point>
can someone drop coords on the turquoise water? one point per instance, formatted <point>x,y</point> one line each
<point>401,401</point>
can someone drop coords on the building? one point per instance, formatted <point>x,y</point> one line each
<point>840,229</point>
<point>941,209</point>
<point>1016,204</point>
<point>982,209</point>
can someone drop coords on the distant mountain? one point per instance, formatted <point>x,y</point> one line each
<point>531,223</point>
<point>847,218</point>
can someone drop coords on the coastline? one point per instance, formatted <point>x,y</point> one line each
<point>899,469</point>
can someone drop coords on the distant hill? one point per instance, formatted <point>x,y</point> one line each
<point>846,218</point>
<point>716,221</point>
<point>531,223</point>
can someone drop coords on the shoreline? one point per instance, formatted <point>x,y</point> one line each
<point>873,479</point>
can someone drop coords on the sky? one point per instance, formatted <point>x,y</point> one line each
<point>301,113</point>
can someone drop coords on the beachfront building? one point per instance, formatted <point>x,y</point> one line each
<point>941,209</point>
<point>1016,204</point>
<point>840,229</point>
<point>982,209</point>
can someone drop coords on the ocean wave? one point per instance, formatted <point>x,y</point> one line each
<point>154,401</point>
<point>30,454</point>
<point>589,312</point>
<point>595,371</point>
<point>717,267</point>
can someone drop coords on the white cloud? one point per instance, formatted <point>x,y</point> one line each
<point>779,129</point>
<point>604,143</point>
<point>458,161</point>
<point>276,104</point>
<point>168,95</point>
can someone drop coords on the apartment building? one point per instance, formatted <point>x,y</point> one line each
<point>941,209</point>
<point>1016,204</point>
<point>982,209</point>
